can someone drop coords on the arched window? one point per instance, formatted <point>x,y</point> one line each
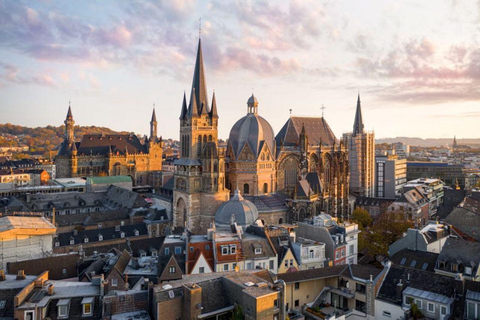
<point>246,188</point>
<point>199,144</point>
<point>291,167</point>
<point>205,139</point>
<point>210,138</point>
<point>265,188</point>
<point>280,221</point>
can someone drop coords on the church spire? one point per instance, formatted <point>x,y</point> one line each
<point>184,107</point>
<point>69,125</point>
<point>153,126</point>
<point>192,107</point>
<point>358,124</point>
<point>213,111</point>
<point>199,84</point>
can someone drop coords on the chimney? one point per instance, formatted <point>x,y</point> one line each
<point>2,275</point>
<point>399,290</point>
<point>50,289</point>
<point>21,275</point>
<point>459,284</point>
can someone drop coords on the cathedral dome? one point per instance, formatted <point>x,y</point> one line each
<point>253,130</point>
<point>244,212</point>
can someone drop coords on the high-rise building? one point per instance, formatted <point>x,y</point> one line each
<point>361,156</point>
<point>390,176</point>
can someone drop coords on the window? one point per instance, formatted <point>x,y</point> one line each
<point>57,244</point>
<point>224,250</point>
<point>291,262</point>
<point>352,249</point>
<point>172,269</point>
<point>114,282</point>
<point>100,237</point>
<point>360,287</point>
<point>122,234</point>
<point>201,270</point>
<point>178,250</point>
<point>87,306</point>
<point>275,303</point>
<point>207,247</point>
<point>29,315</point>
<point>136,232</point>
<point>271,266</point>
<point>471,310</point>
<point>311,254</point>
<point>387,314</point>
<point>297,303</point>
<point>246,188</point>
<point>431,307</point>
<point>233,249</point>
<point>286,263</point>
<point>225,267</point>
<point>85,240</point>
<point>72,241</point>
<point>443,310</point>
<point>191,249</point>
<point>408,300</point>
<point>258,250</point>
<point>418,303</point>
<point>249,266</point>
<point>468,270</point>
<point>63,306</point>
<point>297,285</point>
<point>167,251</point>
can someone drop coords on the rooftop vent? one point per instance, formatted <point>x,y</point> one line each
<point>249,284</point>
<point>21,275</point>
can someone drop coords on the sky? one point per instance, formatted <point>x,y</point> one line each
<point>416,64</point>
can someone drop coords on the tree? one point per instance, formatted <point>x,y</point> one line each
<point>362,217</point>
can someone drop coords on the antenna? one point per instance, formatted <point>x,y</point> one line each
<point>323,110</point>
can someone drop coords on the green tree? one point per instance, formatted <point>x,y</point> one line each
<point>362,217</point>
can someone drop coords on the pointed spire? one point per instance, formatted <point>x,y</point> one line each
<point>358,127</point>
<point>154,116</point>
<point>199,82</point>
<point>69,113</point>
<point>184,107</point>
<point>213,110</point>
<point>192,107</point>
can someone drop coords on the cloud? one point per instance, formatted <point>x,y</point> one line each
<point>11,74</point>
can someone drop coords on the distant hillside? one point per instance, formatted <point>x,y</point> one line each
<point>42,139</point>
<point>429,142</point>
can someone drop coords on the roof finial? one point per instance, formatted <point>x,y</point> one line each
<point>323,110</point>
<point>290,111</point>
<point>200,28</point>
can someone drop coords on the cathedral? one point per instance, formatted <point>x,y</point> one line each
<point>111,154</point>
<point>290,177</point>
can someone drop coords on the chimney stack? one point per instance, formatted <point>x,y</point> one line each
<point>50,289</point>
<point>21,275</point>
<point>2,275</point>
<point>399,290</point>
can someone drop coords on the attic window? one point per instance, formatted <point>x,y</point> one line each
<point>402,262</point>
<point>441,264</point>
<point>100,237</point>
<point>258,250</point>
<point>72,241</point>
<point>57,244</point>
<point>122,234</point>
<point>454,267</point>
<point>85,240</point>
<point>224,250</point>
<point>136,232</point>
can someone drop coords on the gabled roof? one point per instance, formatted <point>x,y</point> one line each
<point>317,130</point>
<point>101,144</point>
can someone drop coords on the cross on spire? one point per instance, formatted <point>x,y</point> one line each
<point>200,28</point>
<point>323,110</point>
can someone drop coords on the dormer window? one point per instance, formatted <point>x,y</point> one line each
<point>441,264</point>
<point>258,250</point>
<point>122,234</point>
<point>233,249</point>
<point>100,237</point>
<point>57,244</point>
<point>224,250</point>
<point>136,232</point>
<point>63,306</point>
<point>454,267</point>
<point>72,241</point>
<point>468,270</point>
<point>85,240</point>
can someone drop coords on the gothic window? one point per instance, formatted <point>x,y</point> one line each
<point>210,138</point>
<point>280,221</point>
<point>291,175</point>
<point>326,170</point>
<point>265,188</point>
<point>215,167</point>
<point>199,144</point>
<point>246,188</point>
<point>204,139</point>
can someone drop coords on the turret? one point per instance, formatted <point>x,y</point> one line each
<point>69,126</point>
<point>213,110</point>
<point>153,127</point>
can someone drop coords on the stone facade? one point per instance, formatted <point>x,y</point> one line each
<point>110,155</point>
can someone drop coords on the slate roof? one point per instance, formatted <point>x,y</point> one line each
<point>107,233</point>
<point>118,144</point>
<point>306,275</point>
<point>465,222</point>
<point>253,130</point>
<point>460,252</point>
<point>415,259</point>
<point>419,279</point>
<point>317,129</point>
<point>268,203</point>
<point>451,199</point>
<point>56,265</point>
<point>362,271</point>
